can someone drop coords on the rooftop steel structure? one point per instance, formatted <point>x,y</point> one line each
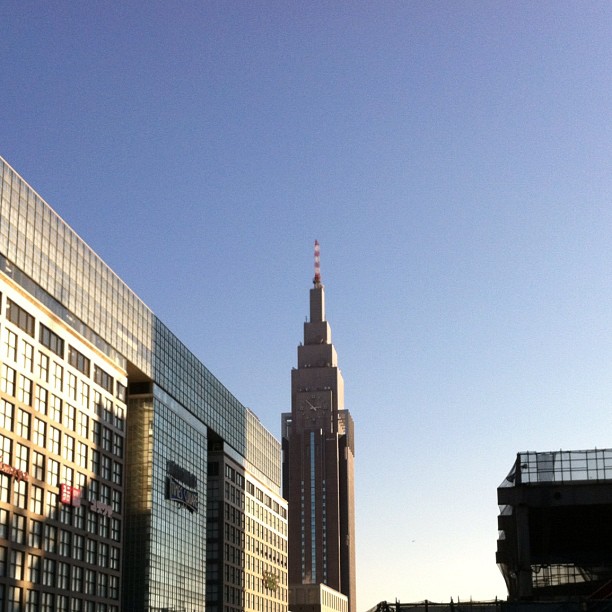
<point>555,532</point>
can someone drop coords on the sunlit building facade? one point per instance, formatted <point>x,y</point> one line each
<point>106,426</point>
<point>316,598</point>
<point>62,440</point>
<point>247,538</point>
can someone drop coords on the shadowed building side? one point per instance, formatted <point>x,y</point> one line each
<point>555,535</point>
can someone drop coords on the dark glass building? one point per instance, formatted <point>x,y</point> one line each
<point>555,533</point>
<point>106,423</point>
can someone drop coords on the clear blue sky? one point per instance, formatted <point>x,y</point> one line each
<point>454,161</point>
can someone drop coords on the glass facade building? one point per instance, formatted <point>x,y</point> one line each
<point>555,535</point>
<point>129,488</point>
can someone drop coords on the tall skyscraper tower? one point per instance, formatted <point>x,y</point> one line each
<point>318,461</point>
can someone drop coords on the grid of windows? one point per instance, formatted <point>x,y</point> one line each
<point>564,466</point>
<point>94,295</point>
<point>246,542</point>
<point>175,532</point>
<point>45,447</point>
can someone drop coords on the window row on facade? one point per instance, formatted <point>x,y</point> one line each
<point>271,514</point>
<point>52,341</point>
<point>74,546</point>
<point>62,446</point>
<point>61,389</point>
<point>89,517</point>
<point>84,453</point>
<point>20,599</point>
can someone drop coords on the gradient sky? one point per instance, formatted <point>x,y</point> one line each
<point>452,158</point>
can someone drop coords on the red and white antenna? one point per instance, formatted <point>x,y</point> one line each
<point>317,264</point>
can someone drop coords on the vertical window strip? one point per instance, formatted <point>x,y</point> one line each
<point>313,527</point>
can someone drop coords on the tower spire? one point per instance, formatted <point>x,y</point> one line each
<point>318,464</point>
<point>317,265</point>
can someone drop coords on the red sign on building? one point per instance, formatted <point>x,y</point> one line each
<point>70,496</point>
<point>65,494</point>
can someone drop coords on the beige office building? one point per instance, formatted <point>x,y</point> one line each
<point>246,537</point>
<point>62,444</point>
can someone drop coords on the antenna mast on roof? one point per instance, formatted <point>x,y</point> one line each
<point>317,265</point>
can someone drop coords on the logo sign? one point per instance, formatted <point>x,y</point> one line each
<point>178,492</point>
<point>187,478</point>
<point>270,581</point>
<point>100,508</point>
<point>70,496</point>
<point>66,494</point>
<point>5,468</point>
<point>181,486</point>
